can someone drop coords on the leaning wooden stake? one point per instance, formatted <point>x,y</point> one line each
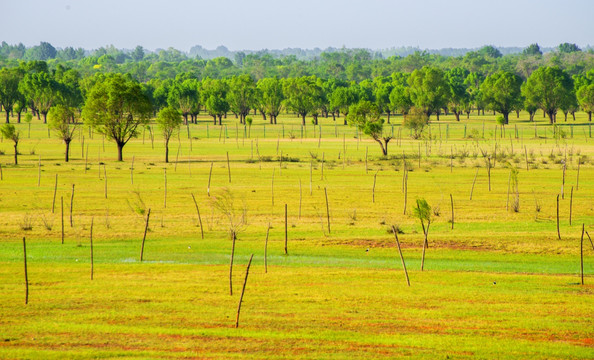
<point>91,239</point>
<point>563,182</point>
<point>473,182</point>
<point>209,177</point>
<point>26,275</point>
<point>286,230</point>
<point>400,252</point>
<point>148,215</point>
<point>526,156</point>
<point>452,202</point>
<point>327,209</point>
<point>266,250</point>
<point>71,204</point>
<point>62,201</point>
<point>589,238</point>
<point>558,232</point>
<point>228,167</point>
<point>247,272</point>
<point>1,175</point>
<point>199,217</point>
<point>55,190</point>
<point>233,237</point>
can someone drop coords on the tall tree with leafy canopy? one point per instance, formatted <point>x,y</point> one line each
<point>241,95</point>
<point>169,121</point>
<point>183,95</point>
<point>9,89</point>
<point>550,88</point>
<point>271,97</point>
<point>342,98</point>
<point>428,90</point>
<point>585,95</point>
<point>400,100</point>
<point>458,97</point>
<point>60,120</point>
<point>533,49</point>
<point>501,92</point>
<point>367,118</point>
<point>214,98</point>
<point>299,95</point>
<point>41,90</point>
<point>117,107</point>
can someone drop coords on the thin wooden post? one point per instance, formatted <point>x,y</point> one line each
<point>286,230</point>
<point>148,215</point>
<point>199,217</point>
<point>71,204</point>
<point>570,205</point>
<point>26,274</point>
<point>563,181</point>
<point>233,237</point>
<point>228,167</point>
<point>582,254</point>
<point>452,202</point>
<point>400,252</point>
<point>209,177</point>
<point>91,240</point>
<point>526,156</point>
<point>247,272</point>
<point>1,174</point>
<point>266,250</point>
<point>327,209</point>
<point>451,159</point>
<point>55,190</point>
<point>405,190</point>
<point>165,188</point>
<point>473,182</point>
<point>558,232</point>
<point>322,175</point>
<point>589,238</point>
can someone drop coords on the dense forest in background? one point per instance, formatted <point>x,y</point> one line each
<point>330,83</point>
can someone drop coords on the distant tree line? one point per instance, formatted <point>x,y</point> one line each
<point>329,86</point>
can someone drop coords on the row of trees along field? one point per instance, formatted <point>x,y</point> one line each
<point>117,104</point>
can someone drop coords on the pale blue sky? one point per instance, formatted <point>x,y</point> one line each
<point>278,24</point>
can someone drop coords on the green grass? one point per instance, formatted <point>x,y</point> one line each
<point>498,285</point>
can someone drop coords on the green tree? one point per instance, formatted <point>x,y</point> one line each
<point>271,97</point>
<point>585,95</point>
<point>41,90</point>
<point>9,132</point>
<point>342,98</point>
<point>550,88</point>
<point>214,98</point>
<point>400,100</point>
<point>501,92</point>
<point>9,89</point>
<point>428,90</point>
<point>183,95</point>
<point>568,48</point>
<point>416,121</point>
<point>169,121</point>
<point>116,107</point>
<point>423,212</point>
<point>458,97</point>
<point>241,95</point>
<point>299,95</point>
<point>60,118</point>
<point>533,49</point>
<point>366,117</point>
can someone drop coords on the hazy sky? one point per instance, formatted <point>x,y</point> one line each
<point>278,24</point>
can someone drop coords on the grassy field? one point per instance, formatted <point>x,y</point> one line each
<point>500,284</point>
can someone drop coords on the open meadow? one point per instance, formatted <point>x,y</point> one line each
<point>500,279</point>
